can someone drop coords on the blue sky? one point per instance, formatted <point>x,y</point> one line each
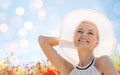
<point>22,21</point>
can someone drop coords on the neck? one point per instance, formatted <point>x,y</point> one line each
<point>85,56</point>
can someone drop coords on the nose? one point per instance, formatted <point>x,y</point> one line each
<point>84,35</point>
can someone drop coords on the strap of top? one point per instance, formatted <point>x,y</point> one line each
<point>86,67</point>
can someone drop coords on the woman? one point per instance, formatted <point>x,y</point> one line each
<point>85,39</point>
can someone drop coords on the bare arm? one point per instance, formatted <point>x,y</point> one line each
<point>47,45</point>
<point>106,66</point>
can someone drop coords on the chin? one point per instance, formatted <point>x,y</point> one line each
<point>82,46</point>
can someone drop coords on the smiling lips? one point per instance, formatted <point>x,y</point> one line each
<point>83,40</point>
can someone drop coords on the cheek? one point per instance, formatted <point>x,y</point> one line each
<point>75,39</point>
<point>92,39</point>
<point>77,35</point>
<point>95,42</point>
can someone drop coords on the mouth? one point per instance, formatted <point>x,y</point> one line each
<point>83,40</point>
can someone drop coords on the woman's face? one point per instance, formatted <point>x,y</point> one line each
<point>86,35</point>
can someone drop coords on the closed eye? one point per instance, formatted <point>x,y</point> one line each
<point>90,33</point>
<point>80,31</point>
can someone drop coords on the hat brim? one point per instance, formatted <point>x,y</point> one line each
<point>107,40</point>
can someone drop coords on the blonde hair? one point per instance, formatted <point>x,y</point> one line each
<point>86,21</point>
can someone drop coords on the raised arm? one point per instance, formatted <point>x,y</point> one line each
<point>47,45</point>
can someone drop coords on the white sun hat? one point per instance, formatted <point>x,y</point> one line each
<point>107,40</point>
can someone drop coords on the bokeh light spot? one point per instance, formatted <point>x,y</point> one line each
<point>38,3</point>
<point>28,25</point>
<point>20,11</point>
<point>24,43</point>
<point>13,45</point>
<point>22,32</point>
<point>3,27</point>
<point>42,14</point>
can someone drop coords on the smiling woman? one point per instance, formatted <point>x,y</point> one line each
<point>85,37</point>
<point>73,19</point>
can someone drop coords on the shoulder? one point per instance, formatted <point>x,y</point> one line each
<point>103,60</point>
<point>105,65</point>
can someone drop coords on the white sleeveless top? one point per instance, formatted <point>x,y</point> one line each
<point>90,69</point>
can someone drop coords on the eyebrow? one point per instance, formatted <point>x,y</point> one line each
<point>91,30</point>
<point>79,29</point>
<point>88,30</point>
